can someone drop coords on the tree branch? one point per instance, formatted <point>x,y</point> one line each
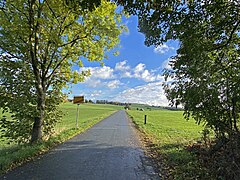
<point>230,37</point>
<point>54,14</point>
<point>54,70</point>
<point>27,17</point>
<point>77,38</point>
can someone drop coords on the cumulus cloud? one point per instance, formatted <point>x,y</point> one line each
<point>161,49</point>
<point>121,66</point>
<point>139,72</point>
<point>145,75</point>
<point>151,93</point>
<point>109,77</point>
<point>126,74</point>
<point>139,68</point>
<point>93,82</point>
<point>104,72</point>
<point>99,77</point>
<point>113,84</point>
<point>96,83</point>
<point>142,73</point>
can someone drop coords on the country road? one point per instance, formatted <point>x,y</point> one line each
<point>110,150</point>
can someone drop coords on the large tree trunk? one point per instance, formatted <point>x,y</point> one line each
<point>37,130</point>
<point>40,84</point>
<point>38,121</point>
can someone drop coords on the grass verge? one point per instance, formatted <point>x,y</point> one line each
<point>14,155</point>
<point>170,135</point>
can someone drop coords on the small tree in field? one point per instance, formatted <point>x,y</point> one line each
<point>40,40</point>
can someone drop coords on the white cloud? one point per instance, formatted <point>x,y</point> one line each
<point>104,72</point>
<point>95,94</point>
<point>110,78</point>
<point>113,84</point>
<point>161,49</point>
<point>142,73</point>
<point>151,93</point>
<point>97,83</point>
<point>100,76</point>
<point>93,82</point>
<point>165,64</point>
<point>139,72</point>
<point>147,76</point>
<point>127,74</point>
<point>139,68</point>
<point>124,70</point>
<point>121,66</point>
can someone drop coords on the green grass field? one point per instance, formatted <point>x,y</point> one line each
<point>89,114</point>
<point>170,134</point>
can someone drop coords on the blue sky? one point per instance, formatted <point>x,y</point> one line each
<point>134,76</point>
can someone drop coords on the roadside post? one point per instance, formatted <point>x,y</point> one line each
<point>145,119</point>
<point>77,115</point>
<point>77,100</point>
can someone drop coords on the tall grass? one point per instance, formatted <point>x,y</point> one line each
<point>171,133</point>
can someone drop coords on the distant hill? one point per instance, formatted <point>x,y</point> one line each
<point>136,106</point>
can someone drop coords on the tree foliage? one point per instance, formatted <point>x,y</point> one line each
<point>40,41</point>
<point>205,74</point>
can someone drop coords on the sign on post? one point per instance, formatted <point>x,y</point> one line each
<point>77,100</point>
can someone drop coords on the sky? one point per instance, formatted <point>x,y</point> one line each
<point>134,76</point>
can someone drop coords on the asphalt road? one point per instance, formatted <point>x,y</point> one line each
<point>110,150</point>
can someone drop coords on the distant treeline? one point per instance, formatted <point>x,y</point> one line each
<point>128,105</point>
<point>173,108</point>
<point>107,102</point>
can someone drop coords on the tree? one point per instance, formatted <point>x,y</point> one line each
<point>90,101</point>
<point>206,70</point>
<point>40,40</point>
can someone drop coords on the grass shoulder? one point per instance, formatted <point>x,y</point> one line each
<point>170,135</point>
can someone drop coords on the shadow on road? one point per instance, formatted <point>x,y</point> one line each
<point>86,160</point>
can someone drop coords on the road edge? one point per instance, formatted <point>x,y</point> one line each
<point>150,151</point>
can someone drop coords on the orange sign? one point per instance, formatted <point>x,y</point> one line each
<point>78,99</point>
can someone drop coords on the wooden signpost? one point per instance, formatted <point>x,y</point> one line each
<point>77,100</point>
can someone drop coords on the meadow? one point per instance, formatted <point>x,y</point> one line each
<point>88,114</point>
<point>170,135</point>
<point>12,155</point>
